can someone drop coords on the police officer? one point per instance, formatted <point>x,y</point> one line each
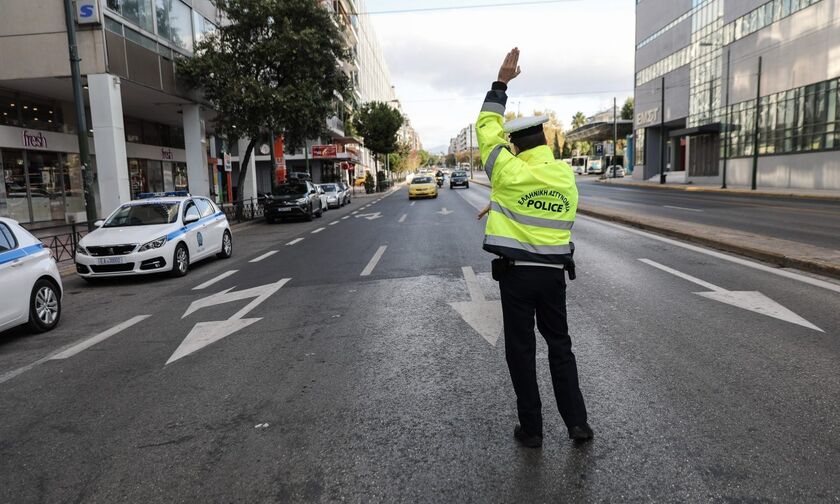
<point>533,202</point>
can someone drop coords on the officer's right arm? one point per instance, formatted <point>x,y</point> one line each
<point>492,142</point>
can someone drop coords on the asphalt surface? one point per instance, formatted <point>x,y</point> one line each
<point>814,222</point>
<point>351,388</point>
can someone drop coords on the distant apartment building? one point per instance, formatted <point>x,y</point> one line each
<point>741,89</point>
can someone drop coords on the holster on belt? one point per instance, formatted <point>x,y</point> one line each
<point>500,267</point>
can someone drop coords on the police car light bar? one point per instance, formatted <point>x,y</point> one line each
<point>176,194</point>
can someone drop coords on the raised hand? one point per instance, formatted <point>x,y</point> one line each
<point>510,68</point>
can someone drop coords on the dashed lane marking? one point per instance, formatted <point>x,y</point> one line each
<point>683,208</point>
<point>333,223</point>
<point>75,348</point>
<point>296,240</point>
<point>413,203</point>
<point>374,261</point>
<point>212,281</point>
<point>264,256</point>
<point>318,230</point>
<point>402,219</point>
<point>346,217</point>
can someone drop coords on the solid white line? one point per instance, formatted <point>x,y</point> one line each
<point>472,284</point>
<point>374,261</point>
<point>84,345</point>
<point>296,240</point>
<point>333,223</point>
<point>260,258</point>
<point>402,219</point>
<point>318,230</point>
<point>684,276</point>
<point>219,278</point>
<point>737,260</point>
<point>683,208</point>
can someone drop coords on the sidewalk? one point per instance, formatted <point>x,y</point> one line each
<point>820,194</point>
<point>784,253</point>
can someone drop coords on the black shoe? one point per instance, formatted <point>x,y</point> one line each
<point>525,439</point>
<point>581,433</point>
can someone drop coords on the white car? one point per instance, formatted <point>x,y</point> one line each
<point>616,171</point>
<point>29,280</point>
<point>154,234</point>
<point>334,195</point>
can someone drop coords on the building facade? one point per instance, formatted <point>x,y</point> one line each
<point>145,132</point>
<point>741,91</point>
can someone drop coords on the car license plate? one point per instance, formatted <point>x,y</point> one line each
<point>284,209</point>
<point>110,260</point>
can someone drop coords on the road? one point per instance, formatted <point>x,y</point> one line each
<point>357,380</point>
<point>814,222</point>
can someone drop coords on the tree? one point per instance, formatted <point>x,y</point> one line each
<point>578,120</point>
<point>627,109</point>
<point>450,160</point>
<point>378,123</point>
<point>557,152</point>
<point>424,157</point>
<point>566,153</point>
<point>273,67</point>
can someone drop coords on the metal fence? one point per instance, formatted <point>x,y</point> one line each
<point>62,240</point>
<point>245,210</point>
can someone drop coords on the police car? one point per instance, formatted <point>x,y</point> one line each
<point>29,280</point>
<point>157,232</point>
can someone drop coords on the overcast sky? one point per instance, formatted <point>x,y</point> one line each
<point>575,55</point>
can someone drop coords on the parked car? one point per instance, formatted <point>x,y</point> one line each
<point>422,187</point>
<point>459,179</point>
<point>298,198</point>
<point>156,233</point>
<point>324,197</point>
<point>29,280</point>
<point>595,168</point>
<point>614,171</point>
<point>348,193</point>
<point>334,196</point>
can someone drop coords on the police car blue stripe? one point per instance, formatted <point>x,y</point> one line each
<point>193,225</point>
<point>17,253</point>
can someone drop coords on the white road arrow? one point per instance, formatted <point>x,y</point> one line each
<point>370,216</point>
<point>748,300</point>
<point>205,333</point>
<point>444,211</point>
<point>484,316</point>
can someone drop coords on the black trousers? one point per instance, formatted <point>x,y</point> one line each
<point>526,291</point>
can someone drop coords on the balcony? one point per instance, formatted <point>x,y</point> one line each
<point>335,126</point>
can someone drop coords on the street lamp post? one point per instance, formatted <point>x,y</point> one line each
<point>615,135</point>
<point>756,129</point>
<point>81,122</point>
<point>728,120</point>
<point>662,134</point>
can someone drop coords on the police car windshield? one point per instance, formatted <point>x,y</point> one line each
<point>146,214</point>
<point>422,180</point>
<point>285,190</point>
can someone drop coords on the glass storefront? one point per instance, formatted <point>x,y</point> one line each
<point>147,175</point>
<point>40,186</point>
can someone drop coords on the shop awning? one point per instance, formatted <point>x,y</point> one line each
<point>705,129</point>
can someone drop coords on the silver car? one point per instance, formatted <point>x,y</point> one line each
<point>334,195</point>
<point>347,192</point>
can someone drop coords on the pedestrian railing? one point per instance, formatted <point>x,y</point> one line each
<point>245,210</point>
<point>62,240</point>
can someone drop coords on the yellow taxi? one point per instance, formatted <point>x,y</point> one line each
<point>422,186</point>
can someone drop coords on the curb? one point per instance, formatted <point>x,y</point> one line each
<point>716,190</point>
<point>831,269</point>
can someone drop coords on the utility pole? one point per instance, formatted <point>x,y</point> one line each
<point>615,135</point>
<point>728,119</point>
<point>662,135</point>
<point>81,122</point>
<point>756,129</point>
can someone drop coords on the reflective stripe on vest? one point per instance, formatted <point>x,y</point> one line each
<point>531,221</point>
<point>493,107</point>
<point>491,161</point>
<point>502,241</point>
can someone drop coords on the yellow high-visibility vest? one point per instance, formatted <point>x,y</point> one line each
<point>533,200</point>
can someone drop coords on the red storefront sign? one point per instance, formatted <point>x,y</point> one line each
<point>324,151</point>
<point>279,160</point>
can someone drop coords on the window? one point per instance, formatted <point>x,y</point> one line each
<point>180,25</point>
<point>138,12</point>
<point>204,207</point>
<point>191,211</point>
<point>640,147</point>
<point>7,239</point>
<point>162,15</point>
